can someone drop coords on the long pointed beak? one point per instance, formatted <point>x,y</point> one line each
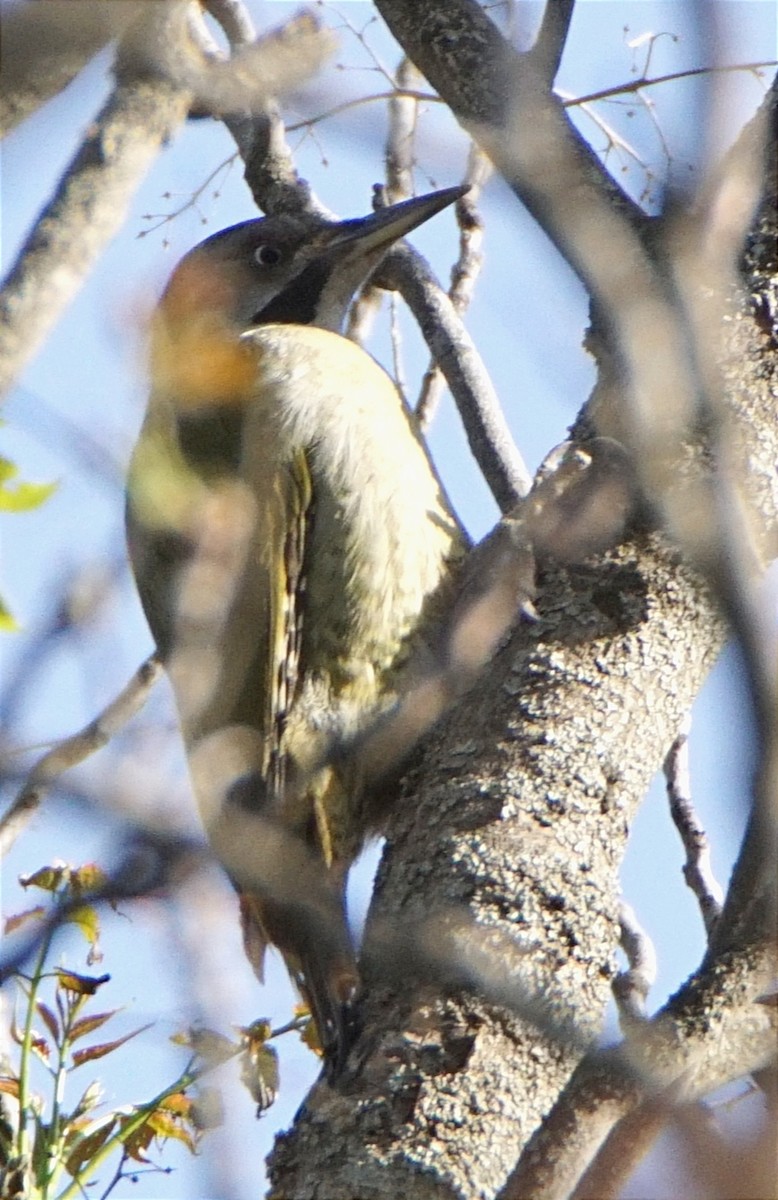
<point>377,231</point>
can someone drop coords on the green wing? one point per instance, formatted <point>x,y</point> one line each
<point>286,612</point>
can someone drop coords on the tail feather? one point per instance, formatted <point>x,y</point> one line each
<point>328,989</point>
<point>317,949</point>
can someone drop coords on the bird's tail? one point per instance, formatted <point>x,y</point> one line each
<point>316,946</point>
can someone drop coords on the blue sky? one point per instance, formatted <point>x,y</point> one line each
<point>76,411</point>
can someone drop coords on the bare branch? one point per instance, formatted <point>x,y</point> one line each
<point>258,130</point>
<point>161,72</point>
<point>698,869</point>
<point>400,159</point>
<point>487,430</point>
<point>76,748</point>
<point>235,20</point>
<point>519,771</point>
<point>628,86</point>
<point>489,87</point>
<point>717,1167</point>
<point>400,142</point>
<point>631,987</point>
<point>269,167</point>
<point>46,45</point>
<point>464,273</point>
<point>148,862</point>
<point>731,545</point>
<point>623,1150</point>
<point>256,72</point>
<point>734,553</point>
<point>89,206</point>
<point>552,36</point>
<point>676,1058</point>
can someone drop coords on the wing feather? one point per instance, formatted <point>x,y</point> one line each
<point>287,609</point>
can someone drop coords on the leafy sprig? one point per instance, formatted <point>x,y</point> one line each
<point>51,1151</point>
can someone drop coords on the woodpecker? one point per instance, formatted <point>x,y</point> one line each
<point>290,541</point>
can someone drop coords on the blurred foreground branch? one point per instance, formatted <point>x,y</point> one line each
<point>162,70</point>
<point>74,749</point>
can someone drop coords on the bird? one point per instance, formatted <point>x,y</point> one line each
<point>290,541</point>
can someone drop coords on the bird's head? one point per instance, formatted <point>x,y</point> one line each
<point>296,270</point>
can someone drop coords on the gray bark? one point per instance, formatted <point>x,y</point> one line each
<point>492,934</point>
<point>90,204</point>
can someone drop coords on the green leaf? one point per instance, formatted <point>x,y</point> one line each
<point>259,1073</point>
<point>85,917</point>
<point>8,622</point>
<point>21,497</point>
<point>88,1145</point>
<point>103,1048</point>
<point>48,879</point>
<point>165,1125</point>
<point>49,1018</point>
<point>88,878</point>
<point>212,1047</point>
<point>87,1025</point>
<point>82,985</point>
<point>139,1140</point>
<point>17,920</point>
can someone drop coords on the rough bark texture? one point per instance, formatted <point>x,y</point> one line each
<point>502,868</point>
<point>490,949</point>
<point>519,811</point>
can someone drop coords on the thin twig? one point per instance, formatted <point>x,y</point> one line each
<point>359,34</point>
<point>399,154</point>
<point>235,20</point>
<point>395,334</point>
<point>191,200</point>
<point>400,158</point>
<point>464,274</point>
<point>335,110</point>
<point>401,136</point>
<point>257,127</point>
<point>631,987</point>
<point>150,862</point>
<point>74,749</point>
<point>697,870</point>
<point>366,306</point>
<point>636,85</point>
<point>487,430</point>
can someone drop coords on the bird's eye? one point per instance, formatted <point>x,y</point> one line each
<point>267,256</point>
